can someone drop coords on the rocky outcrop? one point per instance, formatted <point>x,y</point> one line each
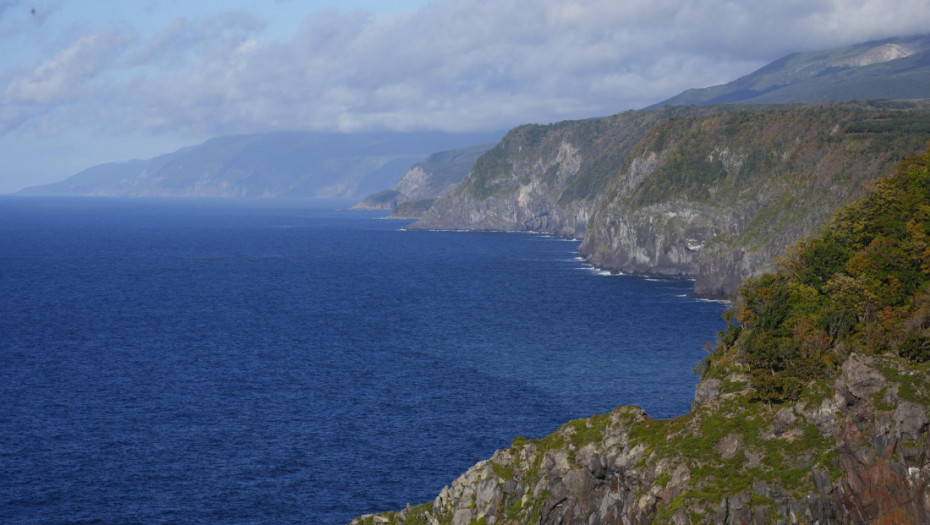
<point>854,451</point>
<point>715,193</point>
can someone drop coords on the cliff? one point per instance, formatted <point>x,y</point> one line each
<point>813,408</point>
<point>855,452</point>
<point>541,178</point>
<point>435,176</point>
<point>713,192</point>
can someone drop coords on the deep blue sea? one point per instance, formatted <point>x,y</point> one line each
<point>214,361</point>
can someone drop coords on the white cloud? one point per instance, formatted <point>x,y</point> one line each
<point>454,65</point>
<point>60,78</point>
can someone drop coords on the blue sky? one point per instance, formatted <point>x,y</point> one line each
<point>84,82</point>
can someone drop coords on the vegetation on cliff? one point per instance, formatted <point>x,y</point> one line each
<point>812,408</point>
<point>863,285</point>
<point>721,196</point>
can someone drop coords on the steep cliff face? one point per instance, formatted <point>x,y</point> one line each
<point>713,192</point>
<point>720,197</point>
<point>854,452</point>
<point>541,178</point>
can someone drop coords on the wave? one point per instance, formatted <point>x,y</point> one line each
<point>705,299</point>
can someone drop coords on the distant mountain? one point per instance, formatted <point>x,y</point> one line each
<point>439,174</point>
<point>284,164</point>
<point>893,69</point>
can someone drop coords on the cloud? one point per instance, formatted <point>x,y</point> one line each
<point>184,38</point>
<point>61,77</point>
<point>453,65</point>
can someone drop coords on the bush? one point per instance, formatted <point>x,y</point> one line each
<point>860,286</point>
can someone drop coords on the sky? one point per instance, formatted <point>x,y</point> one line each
<point>83,82</point>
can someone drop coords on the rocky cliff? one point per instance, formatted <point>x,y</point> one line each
<point>710,192</point>
<point>813,408</point>
<point>541,178</point>
<point>853,452</point>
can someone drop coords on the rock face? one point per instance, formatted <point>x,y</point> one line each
<point>856,451</point>
<point>541,178</point>
<point>715,193</point>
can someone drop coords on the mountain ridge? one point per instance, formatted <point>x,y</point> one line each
<point>277,164</point>
<point>894,68</point>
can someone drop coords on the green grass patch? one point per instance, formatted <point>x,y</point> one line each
<point>666,512</point>
<point>663,479</point>
<point>504,472</point>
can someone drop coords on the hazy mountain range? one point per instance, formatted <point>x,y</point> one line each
<point>286,164</point>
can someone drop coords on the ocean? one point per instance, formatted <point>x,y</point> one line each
<point>256,361</point>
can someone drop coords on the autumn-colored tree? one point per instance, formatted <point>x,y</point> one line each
<point>863,285</point>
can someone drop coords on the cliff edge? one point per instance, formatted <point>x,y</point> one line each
<point>854,453</point>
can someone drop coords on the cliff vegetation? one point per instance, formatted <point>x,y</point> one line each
<point>813,407</point>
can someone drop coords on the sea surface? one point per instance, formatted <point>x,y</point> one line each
<point>198,361</point>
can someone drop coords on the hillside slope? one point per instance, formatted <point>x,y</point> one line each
<point>435,176</point>
<point>711,192</point>
<point>814,408</point>
<point>891,69</point>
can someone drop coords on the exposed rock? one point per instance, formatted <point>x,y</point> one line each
<point>707,391</point>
